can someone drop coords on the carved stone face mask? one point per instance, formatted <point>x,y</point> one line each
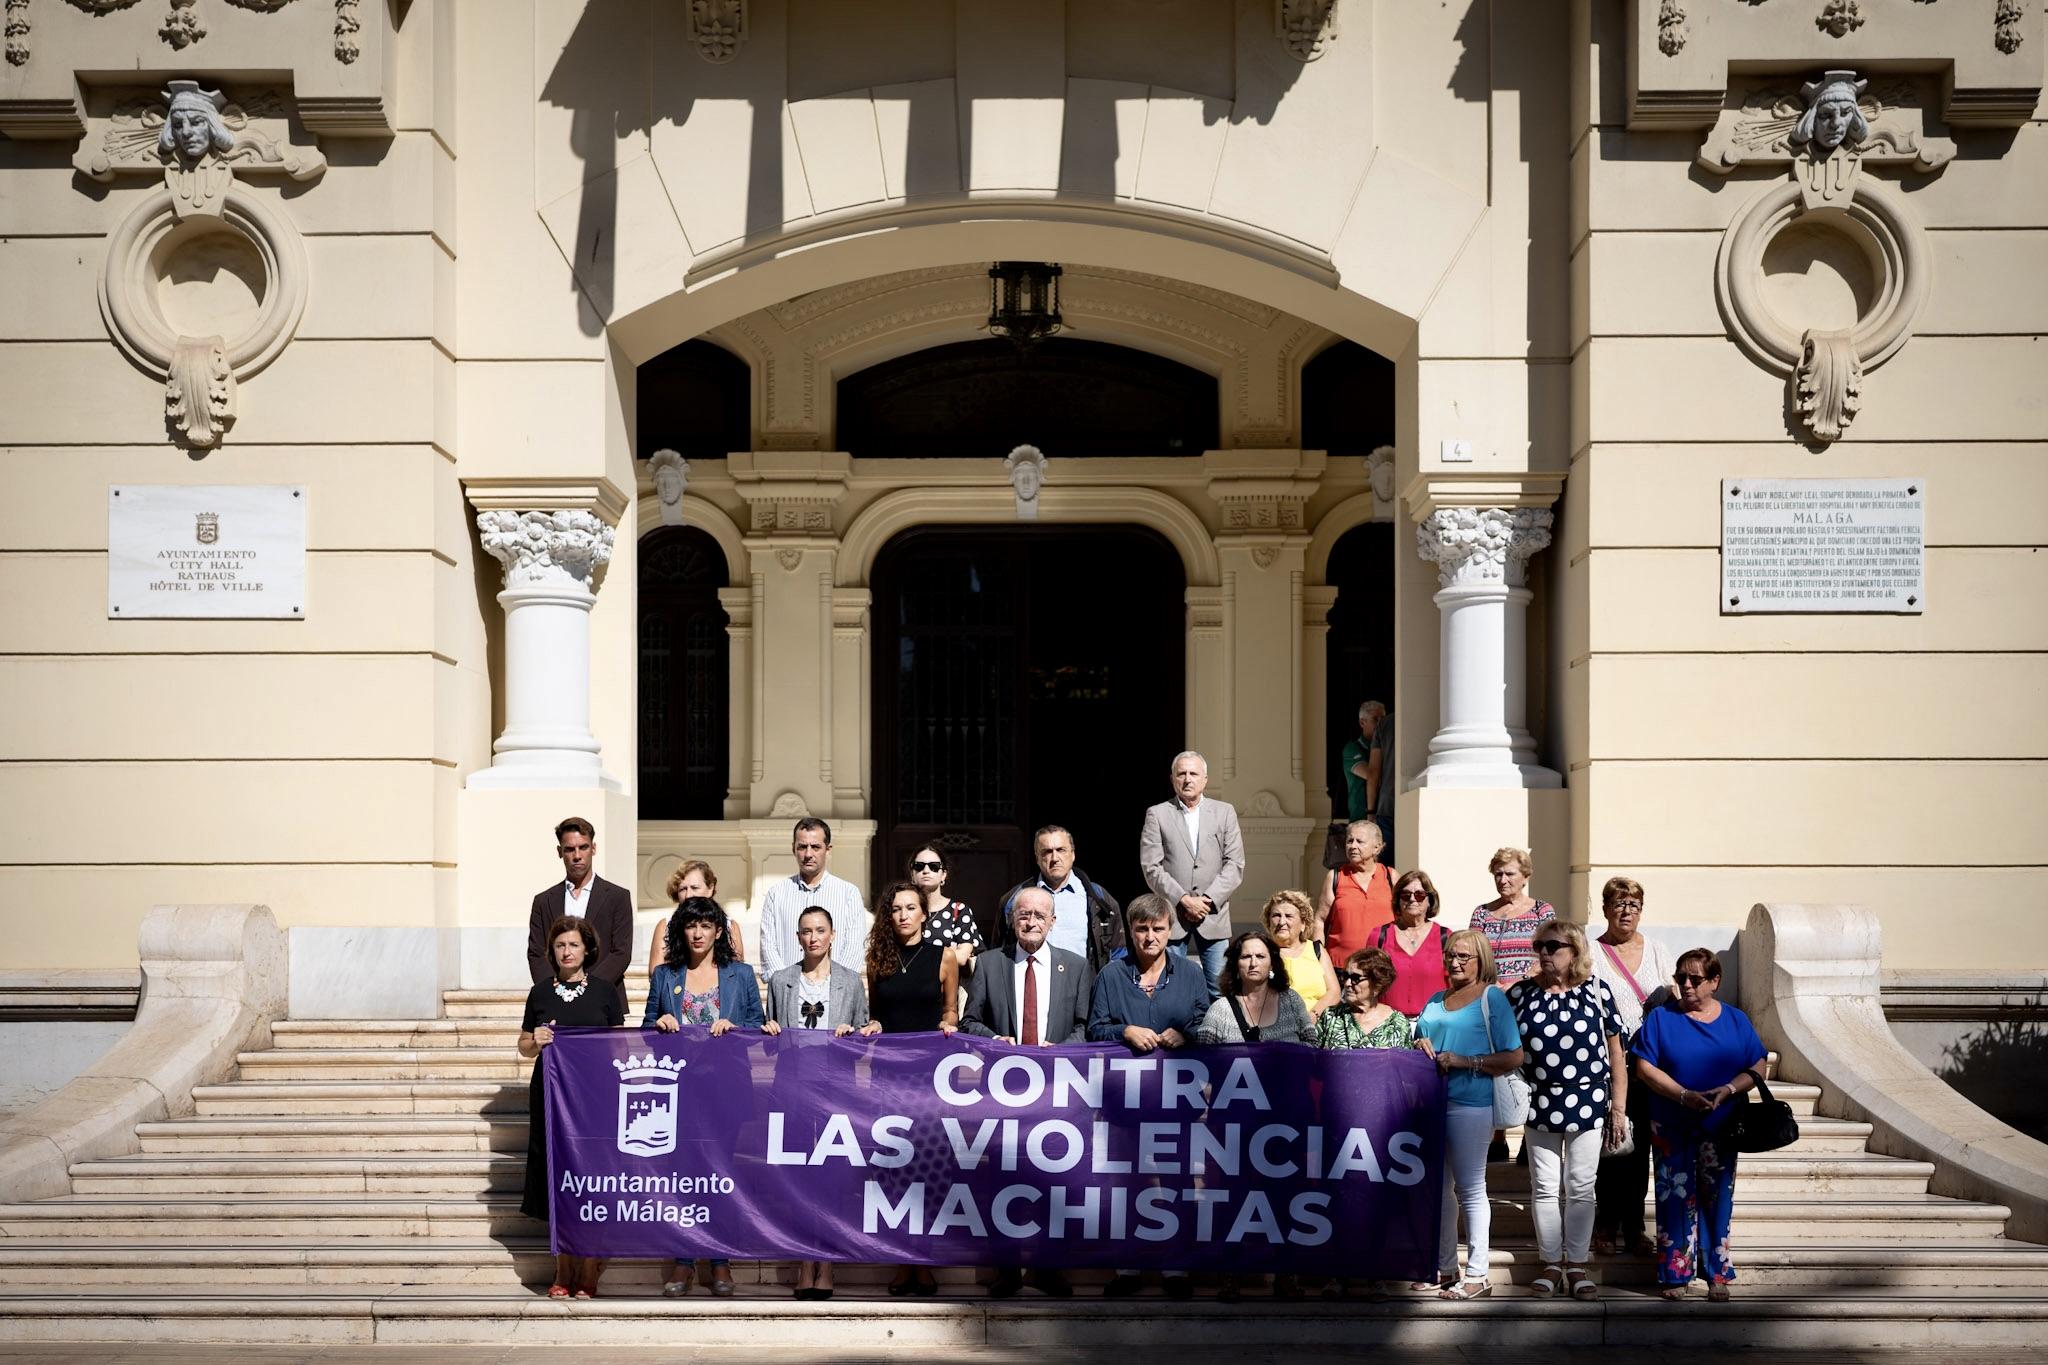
<point>191,129</point>
<point>1832,118</point>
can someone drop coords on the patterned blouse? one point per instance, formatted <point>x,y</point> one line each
<point>955,924</point>
<point>697,1009</point>
<point>1510,937</point>
<point>1339,1029</point>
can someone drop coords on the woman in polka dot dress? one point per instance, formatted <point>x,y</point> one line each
<point>1578,1093</point>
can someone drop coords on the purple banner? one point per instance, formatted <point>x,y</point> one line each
<point>927,1149</point>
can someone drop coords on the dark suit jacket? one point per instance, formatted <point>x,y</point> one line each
<point>610,913</point>
<point>992,997</point>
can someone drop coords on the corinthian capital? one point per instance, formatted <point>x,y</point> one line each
<point>1476,545</point>
<point>547,549</point>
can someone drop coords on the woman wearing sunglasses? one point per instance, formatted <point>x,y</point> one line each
<point>1361,1018</point>
<point>1695,1054</point>
<point>1414,944</point>
<point>948,923</point>
<point>817,993</point>
<point>1638,971</point>
<point>1470,1030</point>
<point>1576,1100</point>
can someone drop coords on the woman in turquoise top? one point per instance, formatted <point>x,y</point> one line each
<point>1471,1047</point>
<point>701,984</point>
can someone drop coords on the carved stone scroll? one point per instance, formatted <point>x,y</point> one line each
<point>1305,28</point>
<point>718,28</point>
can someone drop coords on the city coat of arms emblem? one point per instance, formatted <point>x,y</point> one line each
<point>208,529</point>
<point>647,1104</point>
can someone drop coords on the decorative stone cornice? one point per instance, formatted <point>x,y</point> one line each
<point>599,496</point>
<point>1262,490</point>
<point>789,491</point>
<point>555,549</point>
<point>1483,545</point>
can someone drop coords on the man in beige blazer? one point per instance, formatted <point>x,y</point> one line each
<point>1192,853</point>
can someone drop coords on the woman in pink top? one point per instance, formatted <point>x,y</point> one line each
<point>1415,942</point>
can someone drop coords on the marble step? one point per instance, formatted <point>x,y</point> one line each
<point>506,1003</point>
<point>227,1176</point>
<point>398,1033</point>
<point>526,1260</point>
<point>383,1064</point>
<point>960,1320</point>
<point>335,1135</point>
<point>119,1217</point>
<point>1785,1173</point>
<point>343,1099</point>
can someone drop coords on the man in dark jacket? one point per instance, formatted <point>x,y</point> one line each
<point>1087,921</point>
<point>582,894</point>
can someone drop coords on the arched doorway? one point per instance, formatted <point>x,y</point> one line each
<point>1023,676</point>
<point>684,676</point>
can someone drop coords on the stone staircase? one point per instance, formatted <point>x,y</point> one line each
<point>359,1182</point>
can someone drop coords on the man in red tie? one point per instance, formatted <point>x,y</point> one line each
<point>1030,994</point>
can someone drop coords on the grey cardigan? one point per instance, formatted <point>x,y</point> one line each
<point>1290,1025</point>
<point>848,1005</point>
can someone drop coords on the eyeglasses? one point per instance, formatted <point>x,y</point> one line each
<point>1693,979</point>
<point>1345,978</point>
<point>916,866</point>
<point>1550,945</point>
<point>1415,896</point>
<point>1628,905</point>
<point>1461,957</point>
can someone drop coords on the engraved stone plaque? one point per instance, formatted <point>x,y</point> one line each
<point>1827,545</point>
<point>206,552</point>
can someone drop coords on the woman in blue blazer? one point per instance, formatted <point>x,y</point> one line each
<point>701,984</point>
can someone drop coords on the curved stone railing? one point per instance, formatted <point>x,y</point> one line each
<point>1810,982</point>
<point>213,981</point>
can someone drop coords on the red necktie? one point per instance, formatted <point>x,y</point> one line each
<point>1029,1037</point>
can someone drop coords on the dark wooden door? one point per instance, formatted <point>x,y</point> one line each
<point>1024,677</point>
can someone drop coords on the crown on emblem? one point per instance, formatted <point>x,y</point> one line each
<point>649,1068</point>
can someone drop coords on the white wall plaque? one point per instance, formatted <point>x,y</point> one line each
<point>1840,545</point>
<point>206,551</point>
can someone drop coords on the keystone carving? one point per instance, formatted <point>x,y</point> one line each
<point>1026,468</point>
<point>671,474</point>
<point>1828,129</point>
<point>559,549</point>
<point>1474,546</point>
<point>1306,28</point>
<point>199,141</point>
<point>718,28</point>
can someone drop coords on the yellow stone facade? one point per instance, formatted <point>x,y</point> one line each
<point>523,201</point>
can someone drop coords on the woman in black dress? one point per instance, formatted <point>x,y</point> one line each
<point>913,987</point>
<point>574,999</point>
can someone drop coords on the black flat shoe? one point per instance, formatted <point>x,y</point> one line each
<point>1005,1284</point>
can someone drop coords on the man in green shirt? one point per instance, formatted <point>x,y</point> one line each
<point>1369,772</point>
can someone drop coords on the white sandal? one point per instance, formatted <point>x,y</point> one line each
<point>1580,1283</point>
<point>1549,1282</point>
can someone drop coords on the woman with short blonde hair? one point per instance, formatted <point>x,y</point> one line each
<point>1509,919</point>
<point>1577,1096</point>
<point>1303,966</point>
<point>693,877</point>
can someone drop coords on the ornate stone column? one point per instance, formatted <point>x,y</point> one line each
<point>552,561</point>
<point>1482,556</point>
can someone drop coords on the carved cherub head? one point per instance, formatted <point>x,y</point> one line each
<point>1832,117</point>
<point>1026,465</point>
<point>192,124</point>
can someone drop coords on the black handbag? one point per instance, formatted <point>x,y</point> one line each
<point>1762,1125</point>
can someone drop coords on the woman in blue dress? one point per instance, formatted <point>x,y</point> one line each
<point>1695,1054</point>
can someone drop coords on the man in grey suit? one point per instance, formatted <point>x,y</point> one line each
<point>1033,994</point>
<point>1192,853</point>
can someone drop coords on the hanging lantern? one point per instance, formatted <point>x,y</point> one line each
<point>1024,301</point>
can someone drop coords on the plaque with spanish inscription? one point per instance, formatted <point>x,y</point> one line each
<point>1823,545</point>
<point>206,552</point>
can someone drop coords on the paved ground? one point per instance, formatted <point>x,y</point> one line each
<point>1182,1355</point>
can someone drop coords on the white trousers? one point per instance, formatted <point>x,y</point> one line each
<point>1468,1131</point>
<point>1562,1170</point>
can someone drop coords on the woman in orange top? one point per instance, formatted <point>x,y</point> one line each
<point>1358,897</point>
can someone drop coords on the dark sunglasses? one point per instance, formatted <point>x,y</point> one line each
<point>1551,945</point>
<point>1345,978</point>
<point>916,866</point>
<point>1693,979</point>
<point>1414,895</point>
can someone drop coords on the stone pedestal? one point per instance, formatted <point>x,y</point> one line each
<point>1482,556</point>
<point>551,563</point>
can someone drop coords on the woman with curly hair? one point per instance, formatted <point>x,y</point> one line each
<point>913,986</point>
<point>701,984</point>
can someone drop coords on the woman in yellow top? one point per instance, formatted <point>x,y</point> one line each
<point>1288,919</point>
